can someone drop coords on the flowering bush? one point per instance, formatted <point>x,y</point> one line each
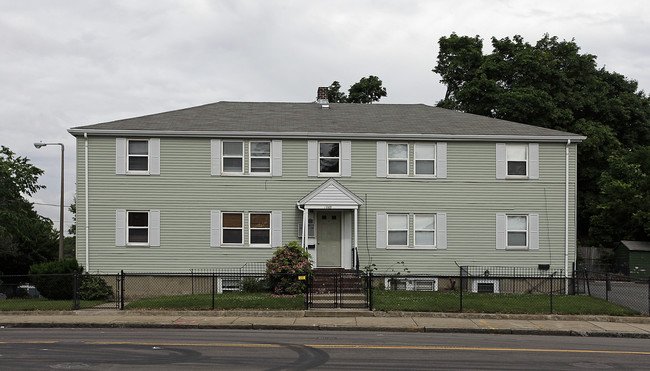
<point>288,262</point>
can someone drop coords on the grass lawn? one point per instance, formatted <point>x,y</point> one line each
<point>494,303</point>
<point>230,300</point>
<point>43,304</point>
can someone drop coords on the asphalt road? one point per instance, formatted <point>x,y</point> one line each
<point>164,349</point>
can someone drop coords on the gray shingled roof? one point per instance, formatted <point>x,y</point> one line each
<point>380,119</point>
<point>637,245</point>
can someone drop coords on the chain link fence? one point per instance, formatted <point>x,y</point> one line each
<point>626,291</point>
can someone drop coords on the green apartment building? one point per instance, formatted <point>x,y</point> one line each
<point>221,185</point>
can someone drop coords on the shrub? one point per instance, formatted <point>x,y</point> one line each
<point>94,288</point>
<point>252,284</point>
<point>288,262</point>
<point>54,279</point>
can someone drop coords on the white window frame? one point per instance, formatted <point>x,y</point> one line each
<point>407,230</point>
<point>223,228</point>
<point>129,155</point>
<point>250,229</point>
<point>434,230</point>
<point>339,158</point>
<point>251,157</point>
<point>416,159</point>
<point>510,146</point>
<point>147,228</point>
<point>224,157</point>
<point>508,230</point>
<point>407,159</point>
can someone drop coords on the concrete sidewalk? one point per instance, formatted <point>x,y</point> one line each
<point>349,320</point>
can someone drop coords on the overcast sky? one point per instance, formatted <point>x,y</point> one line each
<point>71,63</point>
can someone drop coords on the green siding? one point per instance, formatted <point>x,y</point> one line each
<point>185,192</point>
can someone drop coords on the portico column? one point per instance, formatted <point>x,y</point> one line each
<point>305,227</point>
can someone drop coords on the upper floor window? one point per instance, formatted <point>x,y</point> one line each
<point>137,227</point>
<point>425,159</point>
<point>517,159</point>
<point>398,159</point>
<point>138,156</point>
<point>517,231</point>
<point>398,229</point>
<point>233,157</point>
<point>329,158</point>
<point>260,157</point>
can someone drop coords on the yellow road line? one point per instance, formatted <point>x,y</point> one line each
<point>343,346</point>
<point>487,324</point>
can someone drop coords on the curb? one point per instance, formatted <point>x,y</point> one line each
<point>445,330</point>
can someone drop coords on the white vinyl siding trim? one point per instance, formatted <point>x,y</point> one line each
<point>346,158</point>
<point>120,156</point>
<point>533,161</point>
<point>276,152</point>
<point>501,230</point>
<point>441,231</point>
<point>154,227</point>
<point>381,159</point>
<point>501,161</point>
<point>441,160</point>
<point>276,228</point>
<point>215,228</point>
<point>381,230</point>
<point>312,158</point>
<point>215,156</point>
<point>120,228</point>
<point>533,231</point>
<point>154,156</point>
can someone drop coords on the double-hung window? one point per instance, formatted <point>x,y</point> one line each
<point>517,231</point>
<point>398,229</point>
<point>260,229</point>
<point>137,227</point>
<point>232,228</point>
<point>425,159</point>
<point>329,158</point>
<point>233,157</point>
<point>517,160</point>
<point>138,156</point>
<point>398,159</point>
<point>260,157</point>
<point>425,226</point>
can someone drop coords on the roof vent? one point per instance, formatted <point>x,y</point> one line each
<point>321,97</point>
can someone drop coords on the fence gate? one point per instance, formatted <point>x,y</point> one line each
<point>337,289</point>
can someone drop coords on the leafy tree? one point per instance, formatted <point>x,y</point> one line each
<point>551,84</point>
<point>70,242</point>
<point>25,237</point>
<point>367,90</point>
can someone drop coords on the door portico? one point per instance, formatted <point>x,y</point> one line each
<point>334,210</point>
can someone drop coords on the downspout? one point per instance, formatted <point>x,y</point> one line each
<point>86,195</point>
<point>566,219</point>
<point>304,226</point>
<point>355,262</point>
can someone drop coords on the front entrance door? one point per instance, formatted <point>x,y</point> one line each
<point>328,237</point>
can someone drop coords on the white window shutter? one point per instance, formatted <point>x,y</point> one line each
<point>381,159</point>
<point>276,228</point>
<point>441,231</point>
<point>120,227</point>
<point>154,156</point>
<point>312,158</point>
<point>533,232</point>
<point>154,227</point>
<point>501,161</point>
<point>215,157</point>
<point>346,157</point>
<point>120,155</point>
<point>441,160</point>
<point>276,150</point>
<point>381,230</point>
<point>501,231</point>
<point>533,161</point>
<point>215,228</point>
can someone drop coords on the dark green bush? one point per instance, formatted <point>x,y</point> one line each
<point>253,284</point>
<point>54,280</point>
<point>94,288</point>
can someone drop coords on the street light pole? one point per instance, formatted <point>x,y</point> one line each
<point>61,204</point>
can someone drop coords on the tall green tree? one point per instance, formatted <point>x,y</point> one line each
<point>551,84</point>
<point>25,237</point>
<point>367,90</point>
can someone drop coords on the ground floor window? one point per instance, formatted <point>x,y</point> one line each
<point>232,228</point>
<point>138,227</point>
<point>260,228</point>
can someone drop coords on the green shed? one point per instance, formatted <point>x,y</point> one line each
<point>633,258</point>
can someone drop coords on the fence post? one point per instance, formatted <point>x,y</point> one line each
<point>370,304</point>
<point>75,289</point>
<point>213,288</point>
<point>122,290</point>
<point>648,294</point>
<point>551,291</point>
<point>608,286</point>
<point>461,289</point>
